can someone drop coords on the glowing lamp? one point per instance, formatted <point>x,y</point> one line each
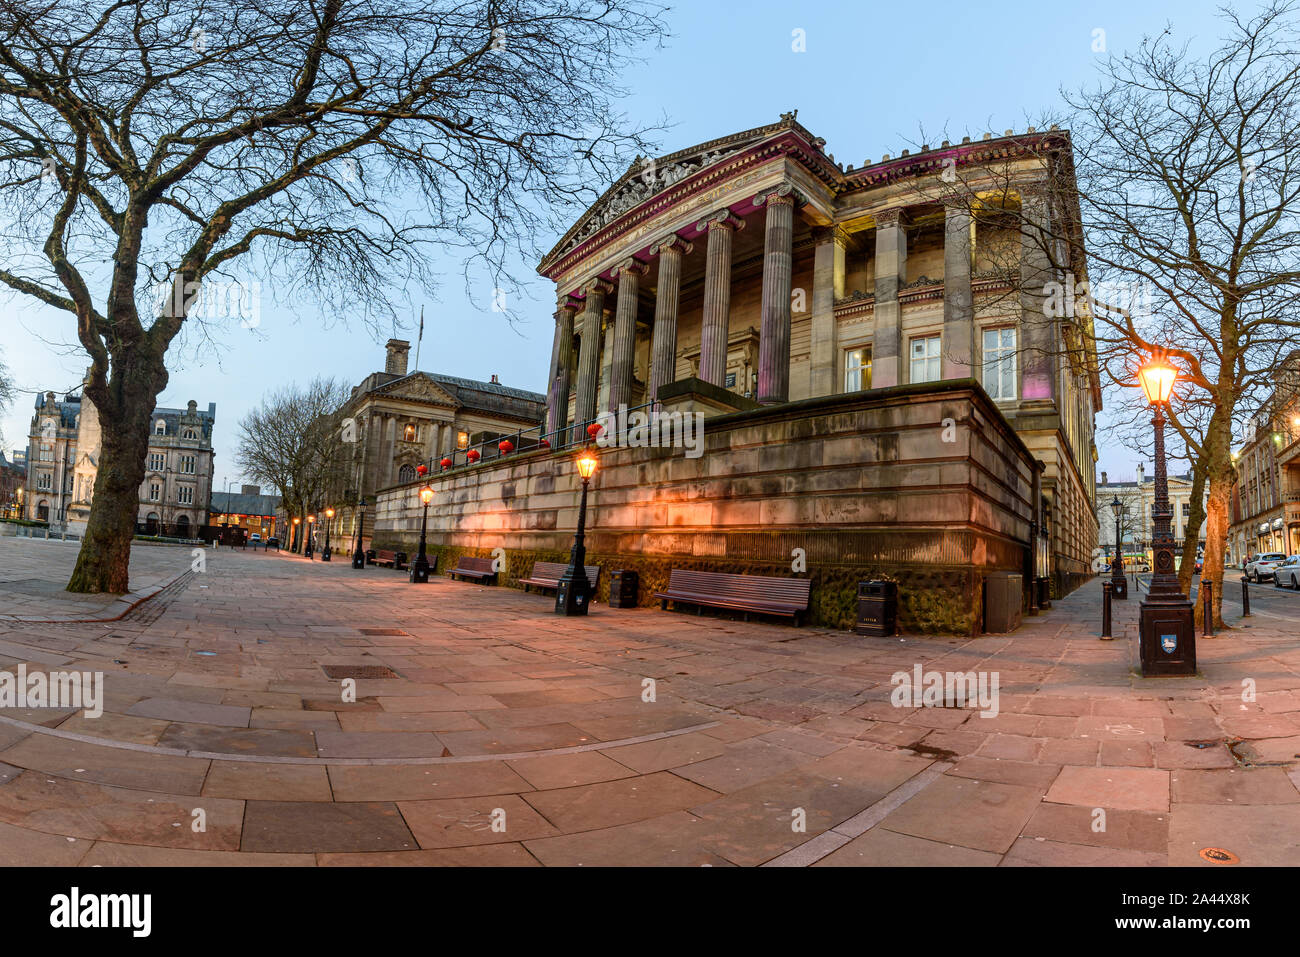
<point>426,495</point>
<point>1158,377</point>
<point>587,465</point>
<point>329,513</point>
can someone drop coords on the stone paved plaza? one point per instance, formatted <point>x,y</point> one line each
<point>511,736</point>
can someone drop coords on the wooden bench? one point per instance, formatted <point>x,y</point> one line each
<point>382,556</point>
<point>548,575</point>
<point>759,594</point>
<point>480,568</point>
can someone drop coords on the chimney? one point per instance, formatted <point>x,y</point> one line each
<point>495,380</point>
<point>397,349</point>
<point>1103,479</point>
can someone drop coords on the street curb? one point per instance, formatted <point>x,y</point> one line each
<point>128,603</point>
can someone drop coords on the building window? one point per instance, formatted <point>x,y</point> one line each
<point>925,359</point>
<point>47,454</point>
<point>409,434</point>
<point>43,511</point>
<point>45,481</point>
<point>157,461</point>
<point>462,440</point>
<point>1000,363</point>
<point>187,464</point>
<point>857,370</point>
<point>406,473</point>
<point>160,427</point>
<point>185,495</point>
<point>155,492</point>
<point>190,434</point>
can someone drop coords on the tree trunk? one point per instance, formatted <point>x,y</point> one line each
<point>1216,534</point>
<point>1195,518</point>
<point>125,405</point>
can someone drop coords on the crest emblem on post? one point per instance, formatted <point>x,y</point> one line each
<point>1168,643</point>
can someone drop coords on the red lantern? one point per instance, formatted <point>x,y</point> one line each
<point>506,446</point>
<point>422,470</point>
<point>445,463</point>
<point>544,444</point>
<point>595,429</point>
<point>472,455</point>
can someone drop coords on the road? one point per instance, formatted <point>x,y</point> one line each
<point>1266,600</point>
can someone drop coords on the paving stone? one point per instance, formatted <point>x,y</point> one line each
<point>880,847</point>
<point>23,847</point>
<point>976,814</point>
<point>456,822</point>
<point>742,764</point>
<point>666,753</point>
<point>1033,852</point>
<point>1233,786</point>
<point>379,744</point>
<point>172,709</point>
<point>483,855</point>
<point>1038,776</point>
<point>219,740</point>
<point>307,827</point>
<point>105,854</point>
<point>1261,835</point>
<point>117,727</point>
<point>267,782</point>
<point>415,782</point>
<point>675,839</point>
<point>569,770</point>
<point>1135,789</point>
<point>91,762</point>
<point>1074,824</point>
<point>611,803</point>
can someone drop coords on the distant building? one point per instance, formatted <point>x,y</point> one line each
<point>12,479</point>
<point>1138,496</point>
<point>1266,494</point>
<point>248,509</point>
<point>63,462</point>
<point>397,421</point>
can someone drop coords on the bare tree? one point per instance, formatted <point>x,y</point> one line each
<point>293,441</point>
<point>171,148</point>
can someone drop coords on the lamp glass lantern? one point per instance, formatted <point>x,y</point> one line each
<point>573,592</point>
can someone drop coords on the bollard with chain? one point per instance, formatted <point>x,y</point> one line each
<point>1105,612</point>
<point>1208,603</point>
<point>1245,598</point>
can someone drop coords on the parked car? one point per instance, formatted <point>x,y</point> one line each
<point>255,538</point>
<point>1287,575</point>
<point>1261,567</point>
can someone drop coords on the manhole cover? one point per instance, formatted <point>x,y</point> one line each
<point>381,631</point>
<point>1217,855</point>
<point>357,671</point>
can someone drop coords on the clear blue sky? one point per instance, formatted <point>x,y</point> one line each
<point>874,75</point>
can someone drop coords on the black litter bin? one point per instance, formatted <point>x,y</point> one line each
<point>877,608</point>
<point>623,585</point>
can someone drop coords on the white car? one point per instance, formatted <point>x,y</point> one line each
<point>1287,575</point>
<point>1260,568</point>
<point>255,537</point>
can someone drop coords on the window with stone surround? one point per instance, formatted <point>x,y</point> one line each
<point>410,434</point>
<point>185,494</point>
<point>925,359</point>
<point>406,473</point>
<point>187,464</point>
<point>157,461</point>
<point>160,427</point>
<point>1000,363</point>
<point>155,492</point>
<point>857,369</point>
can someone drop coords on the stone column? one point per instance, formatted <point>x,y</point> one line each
<point>715,328</point>
<point>1036,352</point>
<point>778,268</point>
<point>557,412</point>
<point>825,370</point>
<point>629,275</point>
<point>663,350</point>
<point>960,351</point>
<point>891,273</point>
<point>589,353</point>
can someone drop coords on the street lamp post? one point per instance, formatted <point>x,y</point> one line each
<point>329,520</point>
<point>311,522</point>
<point>1166,628</point>
<point>573,591</point>
<point>420,567</point>
<point>1118,583</point>
<point>295,541</point>
<point>358,556</point>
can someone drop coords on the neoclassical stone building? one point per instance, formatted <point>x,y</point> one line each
<point>753,270</point>
<point>63,461</point>
<point>395,421</point>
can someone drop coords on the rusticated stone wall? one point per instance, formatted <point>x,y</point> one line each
<point>922,484</point>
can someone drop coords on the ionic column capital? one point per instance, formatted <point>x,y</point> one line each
<point>784,195</point>
<point>631,265</point>
<point>598,286</point>
<point>671,242</point>
<point>567,301</point>
<point>722,219</point>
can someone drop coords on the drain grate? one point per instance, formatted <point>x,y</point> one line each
<point>381,631</point>
<point>357,671</point>
<point>1218,855</point>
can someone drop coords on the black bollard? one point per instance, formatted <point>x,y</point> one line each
<point>1245,598</point>
<point>1207,602</point>
<point>1105,612</point>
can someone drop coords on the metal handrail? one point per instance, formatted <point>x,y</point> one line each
<point>524,441</point>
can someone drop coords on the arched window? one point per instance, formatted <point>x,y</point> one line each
<point>43,511</point>
<point>189,434</point>
<point>409,433</point>
<point>160,427</point>
<point>406,473</point>
<point>183,526</point>
<point>151,523</point>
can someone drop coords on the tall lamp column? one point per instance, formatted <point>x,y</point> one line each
<point>1118,583</point>
<point>420,567</point>
<point>329,520</point>
<point>573,591</point>
<point>1166,622</point>
<point>358,556</point>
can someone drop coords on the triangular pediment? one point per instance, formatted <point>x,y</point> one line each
<point>418,387</point>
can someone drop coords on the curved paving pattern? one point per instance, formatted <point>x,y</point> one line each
<point>512,736</point>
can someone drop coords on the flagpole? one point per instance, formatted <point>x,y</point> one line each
<point>418,341</point>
